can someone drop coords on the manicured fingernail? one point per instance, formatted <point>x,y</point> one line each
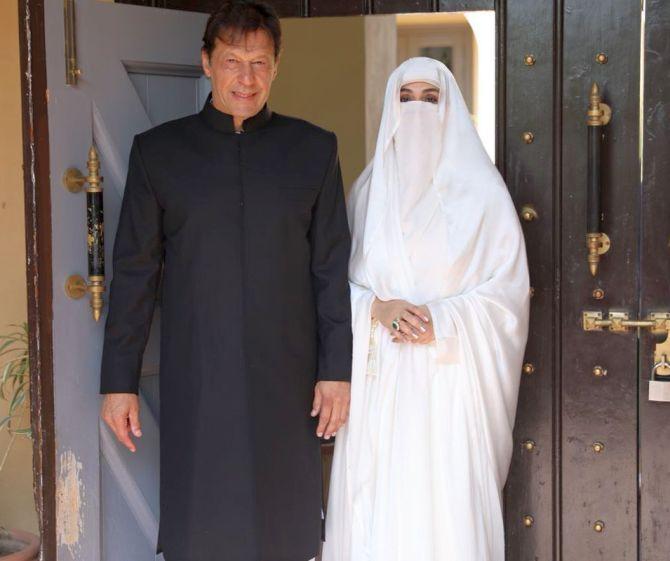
<point>426,318</point>
<point>313,413</point>
<point>319,434</point>
<point>423,328</point>
<point>327,437</point>
<point>415,335</point>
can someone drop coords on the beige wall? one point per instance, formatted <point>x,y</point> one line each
<point>322,79</point>
<point>16,493</point>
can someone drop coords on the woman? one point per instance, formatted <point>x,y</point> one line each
<point>440,302</point>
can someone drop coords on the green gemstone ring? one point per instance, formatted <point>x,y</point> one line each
<point>395,324</point>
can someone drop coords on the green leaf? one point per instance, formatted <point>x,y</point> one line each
<point>17,400</point>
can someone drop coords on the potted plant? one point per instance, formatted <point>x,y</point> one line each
<point>15,544</point>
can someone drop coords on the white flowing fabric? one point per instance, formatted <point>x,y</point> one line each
<point>419,468</point>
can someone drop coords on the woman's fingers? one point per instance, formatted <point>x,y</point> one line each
<point>420,312</point>
<point>399,336</point>
<point>414,321</point>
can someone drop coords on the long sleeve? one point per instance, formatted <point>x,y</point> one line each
<point>137,257</point>
<point>331,244</point>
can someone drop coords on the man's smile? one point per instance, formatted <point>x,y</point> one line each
<point>243,95</point>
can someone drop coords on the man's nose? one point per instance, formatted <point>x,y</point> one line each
<point>246,75</point>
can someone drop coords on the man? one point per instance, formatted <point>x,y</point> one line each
<point>244,209</point>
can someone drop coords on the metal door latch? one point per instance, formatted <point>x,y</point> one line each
<point>659,324</point>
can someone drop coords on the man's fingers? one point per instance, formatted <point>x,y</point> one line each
<point>334,423</point>
<point>121,431</point>
<point>316,405</point>
<point>324,418</point>
<point>344,413</point>
<point>134,417</point>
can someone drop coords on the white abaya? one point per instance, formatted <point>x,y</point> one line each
<point>419,468</point>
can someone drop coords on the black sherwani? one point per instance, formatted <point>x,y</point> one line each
<point>251,232</point>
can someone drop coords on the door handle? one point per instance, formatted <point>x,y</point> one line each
<point>598,115</point>
<point>76,286</point>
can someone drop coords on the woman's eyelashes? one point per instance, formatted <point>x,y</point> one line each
<point>428,98</point>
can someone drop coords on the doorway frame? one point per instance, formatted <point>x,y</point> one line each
<point>37,200</point>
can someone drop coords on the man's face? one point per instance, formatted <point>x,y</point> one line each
<point>241,73</point>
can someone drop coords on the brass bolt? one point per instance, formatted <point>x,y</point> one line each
<point>528,137</point>
<point>529,60</point>
<point>598,293</point>
<point>528,368</point>
<point>598,447</point>
<point>529,445</point>
<point>599,526</point>
<point>599,371</point>
<point>601,58</point>
<point>528,520</point>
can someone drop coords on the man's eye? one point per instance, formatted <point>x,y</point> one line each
<point>259,62</point>
<point>231,60</point>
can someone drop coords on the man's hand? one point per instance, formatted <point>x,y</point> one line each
<point>121,411</point>
<point>331,403</point>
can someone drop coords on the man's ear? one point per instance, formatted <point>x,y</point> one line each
<point>204,57</point>
<point>277,60</point>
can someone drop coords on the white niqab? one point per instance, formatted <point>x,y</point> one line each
<point>416,147</point>
<point>419,468</point>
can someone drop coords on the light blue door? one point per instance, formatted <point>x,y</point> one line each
<point>139,67</point>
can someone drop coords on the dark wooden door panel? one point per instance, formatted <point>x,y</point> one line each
<point>655,281</point>
<point>600,486</point>
<point>337,7</point>
<point>402,6</point>
<point>530,174</point>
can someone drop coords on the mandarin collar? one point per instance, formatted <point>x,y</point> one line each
<point>224,121</point>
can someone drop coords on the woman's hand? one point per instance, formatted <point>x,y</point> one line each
<point>415,321</point>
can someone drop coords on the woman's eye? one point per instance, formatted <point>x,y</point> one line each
<point>431,99</point>
<point>404,98</point>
